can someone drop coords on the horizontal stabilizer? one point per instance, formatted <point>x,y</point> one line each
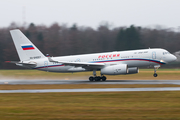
<point>23,64</point>
<point>18,62</point>
<point>11,61</point>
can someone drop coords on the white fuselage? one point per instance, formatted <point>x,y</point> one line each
<point>133,58</point>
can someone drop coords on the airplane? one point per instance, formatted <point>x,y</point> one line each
<point>108,63</point>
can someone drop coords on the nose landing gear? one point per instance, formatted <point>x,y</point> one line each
<point>155,68</point>
<point>155,74</point>
<point>97,78</point>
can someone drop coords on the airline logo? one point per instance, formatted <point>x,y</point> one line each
<point>109,55</point>
<point>27,47</point>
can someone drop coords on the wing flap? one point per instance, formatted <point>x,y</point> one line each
<point>79,64</point>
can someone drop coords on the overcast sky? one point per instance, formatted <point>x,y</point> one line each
<point>91,12</point>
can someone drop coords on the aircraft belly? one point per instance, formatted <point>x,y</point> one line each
<point>42,69</point>
<point>76,69</point>
<point>57,69</point>
<point>66,69</point>
<point>153,63</point>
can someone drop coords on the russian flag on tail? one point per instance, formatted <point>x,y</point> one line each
<point>27,47</point>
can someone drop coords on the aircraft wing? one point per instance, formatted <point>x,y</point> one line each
<point>80,64</point>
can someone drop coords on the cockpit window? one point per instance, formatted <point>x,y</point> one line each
<point>165,53</point>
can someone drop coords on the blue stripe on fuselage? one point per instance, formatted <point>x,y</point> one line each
<point>156,61</point>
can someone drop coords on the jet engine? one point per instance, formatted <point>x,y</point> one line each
<point>133,70</point>
<point>115,69</point>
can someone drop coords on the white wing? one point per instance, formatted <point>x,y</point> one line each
<point>80,64</point>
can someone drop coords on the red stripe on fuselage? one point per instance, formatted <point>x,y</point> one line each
<point>131,60</point>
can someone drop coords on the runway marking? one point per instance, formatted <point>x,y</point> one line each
<point>92,90</point>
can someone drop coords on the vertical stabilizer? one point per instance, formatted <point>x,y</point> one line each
<point>25,48</point>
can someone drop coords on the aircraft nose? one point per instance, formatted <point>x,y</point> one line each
<point>173,57</point>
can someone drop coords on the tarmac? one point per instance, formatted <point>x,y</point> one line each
<point>31,82</point>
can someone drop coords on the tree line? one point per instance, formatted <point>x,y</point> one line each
<point>62,40</point>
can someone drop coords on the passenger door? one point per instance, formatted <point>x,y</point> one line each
<point>153,57</point>
<point>46,65</point>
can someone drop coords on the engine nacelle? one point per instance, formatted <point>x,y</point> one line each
<point>133,70</point>
<point>115,69</point>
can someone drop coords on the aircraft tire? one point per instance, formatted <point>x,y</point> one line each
<point>91,78</point>
<point>155,74</point>
<point>97,78</point>
<point>103,78</point>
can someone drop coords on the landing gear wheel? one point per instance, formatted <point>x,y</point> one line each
<point>155,74</point>
<point>97,78</point>
<point>103,78</point>
<point>91,78</point>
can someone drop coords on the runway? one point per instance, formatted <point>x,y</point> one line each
<point>145,82</point>
<point>92,90</point>
<point>31,82</point>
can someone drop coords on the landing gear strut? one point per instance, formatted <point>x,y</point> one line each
<point>155,68</point>
<point>97,78</point>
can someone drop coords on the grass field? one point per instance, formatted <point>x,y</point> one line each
<point>91,106</point>
<point>144,74</point>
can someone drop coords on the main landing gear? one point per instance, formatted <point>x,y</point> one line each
<point>155,68</point>
<point>97,78</point>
